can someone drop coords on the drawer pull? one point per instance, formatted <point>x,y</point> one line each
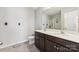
<point>55,46</point>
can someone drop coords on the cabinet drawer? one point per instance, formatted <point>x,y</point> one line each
<point>53,47</point>
<point>69,44</point>
<point>37,33</point>
<point>40,34</point>
<point>49,37</point>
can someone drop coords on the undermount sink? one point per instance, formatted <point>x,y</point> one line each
<point>53,31</point>
<point>59,33</point>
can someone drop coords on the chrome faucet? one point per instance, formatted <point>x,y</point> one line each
<point>44,27</point>
<point>62,32</point>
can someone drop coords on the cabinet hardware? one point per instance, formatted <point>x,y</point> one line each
<point>55,46</point>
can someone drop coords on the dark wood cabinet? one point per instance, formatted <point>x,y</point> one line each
<point>39,41</point>
<point>54,47</point>
<point>49,43</point>
<point>41,44</point>
<point>50,47</point>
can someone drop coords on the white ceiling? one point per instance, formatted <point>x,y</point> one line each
<point>35,8</point>
<point>53,10</point>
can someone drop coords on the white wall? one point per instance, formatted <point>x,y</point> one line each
<point>38,19</point>
<point>12,33</point>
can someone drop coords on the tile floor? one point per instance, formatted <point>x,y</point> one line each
<point>22,47</point>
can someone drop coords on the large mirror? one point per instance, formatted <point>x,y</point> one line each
<point>71,21</point>
<point>62,18</point>
<point>54,21</point>
<point>53,18</point>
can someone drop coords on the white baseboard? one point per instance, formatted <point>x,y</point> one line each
<point>13,44</point>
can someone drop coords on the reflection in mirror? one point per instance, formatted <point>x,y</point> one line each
<point>54,21</point>
<point>71,21</point>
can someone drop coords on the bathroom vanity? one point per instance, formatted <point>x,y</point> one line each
<point>51,42</point>
<point>63,30</point>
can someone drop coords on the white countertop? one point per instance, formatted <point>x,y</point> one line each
<point>57,33</point>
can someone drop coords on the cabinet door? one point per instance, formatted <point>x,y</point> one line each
<point>37,41</point>
<point>50,46</point>
<point>41,44</point>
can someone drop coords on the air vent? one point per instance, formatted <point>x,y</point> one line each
<point>19,24</point>
<point>6,23</point>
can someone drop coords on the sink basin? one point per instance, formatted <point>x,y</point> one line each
<point>53,32</point>
<point>59,34</point>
